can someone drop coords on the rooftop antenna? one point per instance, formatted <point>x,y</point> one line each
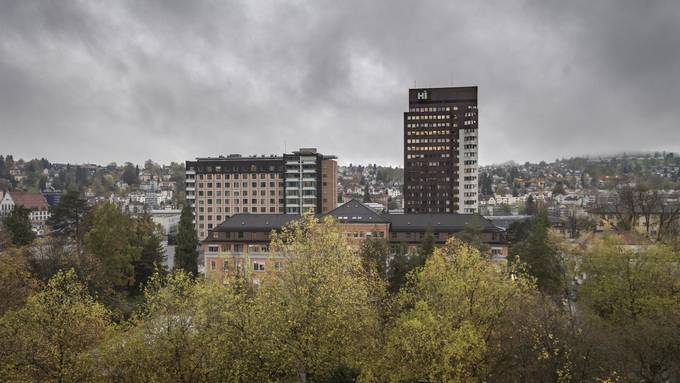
<point>451,79</point>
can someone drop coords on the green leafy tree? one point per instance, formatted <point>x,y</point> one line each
<point>53,255</point>
<point>18,224</point>
<point>190,330</point>
<point>53,337</point>
<point>113,241</point>
<point>186,254</point>
<point>450,313</point>
<point>16,281</point>
<point>635,294</point>
<point>319,310</point>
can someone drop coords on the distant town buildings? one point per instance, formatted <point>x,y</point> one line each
<point>35,202</point>
<point>304,181</point>
<point>441,150</point>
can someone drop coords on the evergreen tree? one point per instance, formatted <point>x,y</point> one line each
<point>374,253</point>
<point>426,246</point>
<point>130,174</point>
<point>530,242</point>
<point>186,254</point>
<point>18,224</point>
<point>112,240</point>
<point>367,194</point>
<point>400,266</point>
<point>530,205</point>
<point>67,218</point>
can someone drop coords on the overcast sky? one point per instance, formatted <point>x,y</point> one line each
<point>101,81</point>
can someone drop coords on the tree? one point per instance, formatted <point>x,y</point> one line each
<point>559,189</point>
<point>52,338</point>
<point>18,224</point>
<point>190,330</point>
<point>186,255</point>
<point>392,204</point>
<point>374,254</point>
<point>426,246</point>
<point>530,205</point>
<point>130,174</point>
<point>112,240</point>
<point>472,235</point>
<point>16,281</point>
<point>504,209</point>
<point>67,218</point>
<point>319,310</point>
<point>531,244</point>
<point>635,294</point>
<point>53,255</point>
<point>450,313</point>
<point>400,265</point>
<point>152,254</point>
<point>367,194</point>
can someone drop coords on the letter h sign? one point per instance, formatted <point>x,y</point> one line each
<point>422,95</point>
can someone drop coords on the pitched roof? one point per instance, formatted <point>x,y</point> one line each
<point>245,221</point>
<point>438,222</point>
<point>29,200</point>
<point>354,211</point>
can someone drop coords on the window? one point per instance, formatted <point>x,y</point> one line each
<point>258,266</point>
<point>212,265</point>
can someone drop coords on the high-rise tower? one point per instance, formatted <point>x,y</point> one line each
<point>441,150</point>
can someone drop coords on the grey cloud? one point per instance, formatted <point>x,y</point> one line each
<point>171,80</point>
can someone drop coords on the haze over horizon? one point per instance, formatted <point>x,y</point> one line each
<point>172,80</point>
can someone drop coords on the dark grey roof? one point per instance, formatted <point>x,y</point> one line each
<point>356,212</point>
<point>438,222</point>
<point>505,221</point>
<point>258,222</point>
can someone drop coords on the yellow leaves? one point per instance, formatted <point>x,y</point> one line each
<point>56,330</point>
<point>449,308</point>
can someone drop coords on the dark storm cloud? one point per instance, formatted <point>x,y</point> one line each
<point>171,80</point>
